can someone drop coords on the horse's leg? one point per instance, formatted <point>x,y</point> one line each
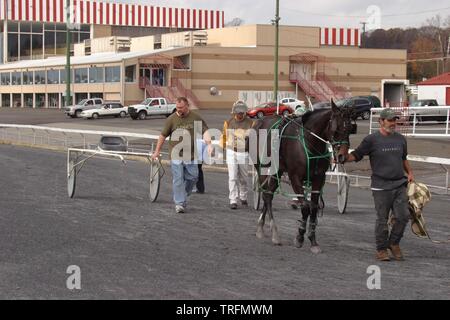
<point>300,238</point>
<point>261,221</point>
<point>273,226</point>
<point>317,186</point>
<point>273,185</point>
<point>262,216</point>
<point>297,186</point>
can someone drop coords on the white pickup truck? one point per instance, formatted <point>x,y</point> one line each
<point>151,107</point>
<point>85,104</point>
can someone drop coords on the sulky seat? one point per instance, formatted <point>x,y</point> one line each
<point>113,143</point>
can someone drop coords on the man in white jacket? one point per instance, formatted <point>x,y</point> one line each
<point>234,134</point>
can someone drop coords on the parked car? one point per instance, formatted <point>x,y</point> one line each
<point>151,107</point>
<point>361,105</point>
<point>112,109</point>
<point>374,99</point>
<point>85,104</point>
<point>268,109</point>
<point>425,114</point>
<point>293,103</point>
<point>321,105</point>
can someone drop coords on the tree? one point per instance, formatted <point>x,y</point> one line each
<point>234,23</point>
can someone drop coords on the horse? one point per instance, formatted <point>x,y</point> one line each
<point>303,154</point>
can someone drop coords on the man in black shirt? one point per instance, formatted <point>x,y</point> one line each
<point>387,151</point>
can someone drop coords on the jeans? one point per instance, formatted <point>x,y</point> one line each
<point>385,201</point>
<point>184,177</point>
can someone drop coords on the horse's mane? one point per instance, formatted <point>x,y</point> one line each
<point>312,114</point>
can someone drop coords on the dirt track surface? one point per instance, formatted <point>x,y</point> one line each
<point>127,247</point>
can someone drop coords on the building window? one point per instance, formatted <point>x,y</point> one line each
<point>39,77</point>
<point>16,78</point>
<point>37,27</point>
<point>13,47</point>
<point>81,75</point>
<point>49,44</point>
<point>28,100</point>
<point>94,95</point>
<point>13,26</point>
<point>112,74</point>
<point>17,100</point>
<point>53,100</point>
<point>60,43</point>
<point>6,100</point>
<point>25,27</point>
<point>27,77</point>
<point>80,96</point>
<point>96,75</point>
<point>5,79</point>
<point>25,46</point>
<point>37,46</point>
<point>130,74</point>
<point>62,74</point>
<point>53,77</point>
<point>40,100</point>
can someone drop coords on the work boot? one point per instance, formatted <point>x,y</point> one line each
<point>382,255</point>
<point>244,203</point>
<point>233,206</point>
<point>396,252</point>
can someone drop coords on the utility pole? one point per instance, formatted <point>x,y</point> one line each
<point>68,41</point>
<point>363,33</point>
<point>277,27</point>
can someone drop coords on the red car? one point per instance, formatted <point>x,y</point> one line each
<point>268,109</point>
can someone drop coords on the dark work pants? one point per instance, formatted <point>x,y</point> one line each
<point>200,182</point>
<point>385,201</point>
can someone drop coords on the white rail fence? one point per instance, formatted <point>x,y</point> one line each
<point>420,122</point>
<point>65,138</point>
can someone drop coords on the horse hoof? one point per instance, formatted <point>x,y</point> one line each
<point>259,234</point>
<point>316,250</point>
<point>276,242</point>
<point>298,243</point>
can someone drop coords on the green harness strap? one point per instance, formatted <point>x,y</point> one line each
<point>309,156</point>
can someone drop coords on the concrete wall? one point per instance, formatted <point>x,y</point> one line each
<point>142,43</point>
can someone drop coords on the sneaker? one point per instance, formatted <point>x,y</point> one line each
<point>382,255</point>
<point>179,209</point>
<point>396,252</point>
<point>233,206</point>
<point>244,203</point>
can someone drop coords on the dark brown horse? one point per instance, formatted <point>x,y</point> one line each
<point>303,154</point>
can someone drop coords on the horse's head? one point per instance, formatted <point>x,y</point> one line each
<point>340,128</point>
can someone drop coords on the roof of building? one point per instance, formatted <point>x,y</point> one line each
<point>443,79</point>
<point>104,57</point>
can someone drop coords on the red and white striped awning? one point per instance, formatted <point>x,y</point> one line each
<point>109,13</point>
<point>340,37</point>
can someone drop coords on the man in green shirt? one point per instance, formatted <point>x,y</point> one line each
<point>183,127</point>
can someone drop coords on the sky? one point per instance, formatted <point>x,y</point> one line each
<point>326,13</point>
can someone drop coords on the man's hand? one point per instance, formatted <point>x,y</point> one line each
<point>410,177</point>
<point>210,150</point>
<point>155,155</point>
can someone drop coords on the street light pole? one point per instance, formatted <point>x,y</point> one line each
<point>68,41</point>
<point>277,24</point>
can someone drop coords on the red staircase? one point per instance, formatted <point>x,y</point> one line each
<point>171,93</point>
<point>321,89</point>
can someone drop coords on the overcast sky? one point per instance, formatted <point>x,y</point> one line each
<point>327,13</point>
